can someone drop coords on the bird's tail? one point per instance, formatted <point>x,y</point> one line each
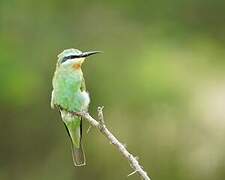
<point>78,156</point>
<point>74,128</point>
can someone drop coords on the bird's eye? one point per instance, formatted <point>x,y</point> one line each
<point>64,59</point>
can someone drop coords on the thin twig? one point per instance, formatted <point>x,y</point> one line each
<point>89,128</point>
<point>131,173</point>
<point>113,140</point>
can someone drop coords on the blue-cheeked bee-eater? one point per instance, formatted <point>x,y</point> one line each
<point>69,95</point>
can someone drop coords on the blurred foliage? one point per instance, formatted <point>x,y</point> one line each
<point>161,80</point>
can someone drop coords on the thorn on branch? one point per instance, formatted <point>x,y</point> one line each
<point>112,142</point>
<point>100,115</point>
<point>101,118</point>
<point>89,128</point>
<point>132,173</point>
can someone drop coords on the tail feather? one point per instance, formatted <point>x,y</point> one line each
<point>74,129</point>
<point>78,156</point>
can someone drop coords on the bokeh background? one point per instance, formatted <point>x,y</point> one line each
<point>161,79</point>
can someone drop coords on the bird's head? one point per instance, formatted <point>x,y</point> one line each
<point>73,57</point>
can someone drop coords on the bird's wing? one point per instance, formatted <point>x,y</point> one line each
<point>52,100</point>
<point>83,87</point>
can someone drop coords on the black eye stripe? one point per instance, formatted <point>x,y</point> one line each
<point>69,57</point>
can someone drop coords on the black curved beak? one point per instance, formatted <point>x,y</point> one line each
<point>89,53</point>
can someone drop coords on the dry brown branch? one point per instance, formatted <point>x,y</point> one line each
<point>100,125</point>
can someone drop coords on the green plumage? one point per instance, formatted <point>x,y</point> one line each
<point>67,88</point>
<point>74,129</point>
<point>69,95</point>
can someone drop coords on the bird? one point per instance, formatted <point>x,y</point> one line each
<point>69,96</point>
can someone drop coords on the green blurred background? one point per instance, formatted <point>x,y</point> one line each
<point>161,79</point>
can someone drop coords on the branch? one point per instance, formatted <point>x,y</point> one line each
<point>100,125</point>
